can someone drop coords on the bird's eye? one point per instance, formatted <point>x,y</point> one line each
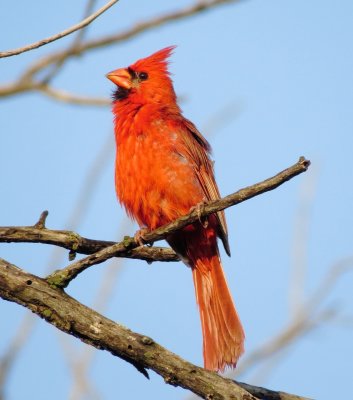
<point>143,76</point>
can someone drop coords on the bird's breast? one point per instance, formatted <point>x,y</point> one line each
<point>155,179</point>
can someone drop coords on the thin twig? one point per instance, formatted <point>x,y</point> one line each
<point>42,220</point>
<point>299,254</point>
<point>13,348</point>
<point>67,97</point>
<point>141,27</point>
<point>77,40</point>
<point>278,343</point>
<point>308,317</point>
<point>59,35</point>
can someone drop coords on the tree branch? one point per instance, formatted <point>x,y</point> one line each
<point>75,243</point>
<point>143,26</point>
<point>129,247</point>
<point>72,317</point>
<point>72,98</point>
<point>59,35</point>
<point>76,41</point>
<point>231,200</point>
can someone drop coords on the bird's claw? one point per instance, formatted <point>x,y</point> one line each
<point>199,209</point>
<point>139,239</point>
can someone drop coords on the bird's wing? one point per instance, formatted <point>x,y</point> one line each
<point>198,150</point>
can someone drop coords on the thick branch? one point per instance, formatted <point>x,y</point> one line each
<point>70,316</point>
<point>59,35</point>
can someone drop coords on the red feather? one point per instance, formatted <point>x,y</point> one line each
<point>163,168</point>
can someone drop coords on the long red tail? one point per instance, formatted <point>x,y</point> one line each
<point>223,334</point>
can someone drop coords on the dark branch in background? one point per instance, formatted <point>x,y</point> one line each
<point>67,97</point>
<point>13,348</point>
<point>129,247</point>
<point>71,317</point>
<point>59,35</point>
<point>28,82</point>
<point>78,38</point>
<point>141,27</point>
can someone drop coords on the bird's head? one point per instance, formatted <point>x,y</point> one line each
<point>146,81</point>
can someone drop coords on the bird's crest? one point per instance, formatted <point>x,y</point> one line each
<point>156,62</point>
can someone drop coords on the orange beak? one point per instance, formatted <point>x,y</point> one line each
<point>120,77</point>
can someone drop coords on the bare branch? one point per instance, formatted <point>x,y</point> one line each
<point>71,317</point>
<point>59,35</point>
<point>75,243</point>
<point>62,278</point>
<point>308,317</point>
<point>278,343</point>
<point>337,270</point>
<point>67,97</point>
<point>42,220</point>
<point>300,243</point>
<point>77,40</point>
<point>13,348</point>
<point>235,198</point>
<point>141,27</point>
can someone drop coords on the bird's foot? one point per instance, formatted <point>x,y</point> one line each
<point>199,209</point>
<point>139,236</point>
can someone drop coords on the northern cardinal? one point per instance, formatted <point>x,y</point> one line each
<point>163,169</point>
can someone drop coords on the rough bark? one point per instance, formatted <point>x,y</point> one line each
<point>72,317</point>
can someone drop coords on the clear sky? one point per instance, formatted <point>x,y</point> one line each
<point>266,82</point>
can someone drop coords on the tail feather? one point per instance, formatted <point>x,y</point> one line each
<point>223,335</point>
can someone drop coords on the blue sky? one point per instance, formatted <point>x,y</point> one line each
<point>266,82</point>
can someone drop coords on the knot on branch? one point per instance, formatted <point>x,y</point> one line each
<point>59,279</point>
<point>171,380</point>
<point>147,341</point>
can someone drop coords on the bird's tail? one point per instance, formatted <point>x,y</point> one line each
<point>223,334</point>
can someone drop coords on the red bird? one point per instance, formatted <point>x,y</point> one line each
<point>163,169</point>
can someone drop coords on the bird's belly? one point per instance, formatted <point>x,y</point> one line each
<point>155,183</point>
